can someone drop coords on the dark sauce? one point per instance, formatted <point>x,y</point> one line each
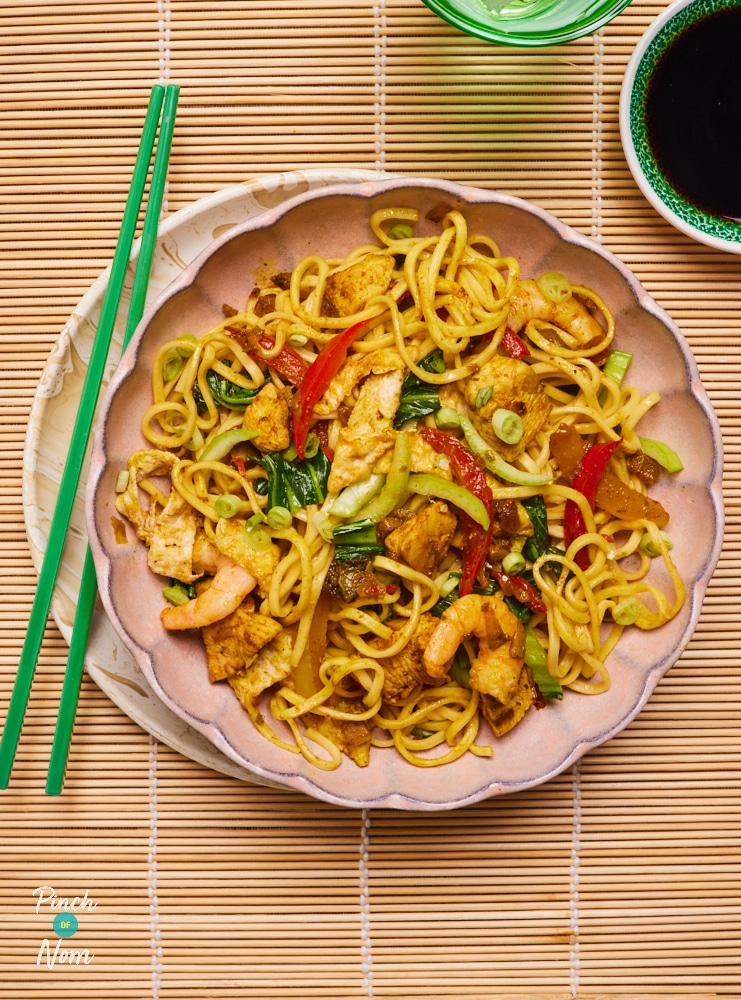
<point>693,113</point>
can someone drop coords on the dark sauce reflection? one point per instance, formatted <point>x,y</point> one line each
<point>693,113</point>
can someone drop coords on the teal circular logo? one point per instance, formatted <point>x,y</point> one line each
<point>65,924</point>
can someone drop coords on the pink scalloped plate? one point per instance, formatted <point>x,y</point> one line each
<point>330,222</point>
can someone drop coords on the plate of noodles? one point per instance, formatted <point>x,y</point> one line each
<point>405,494</point>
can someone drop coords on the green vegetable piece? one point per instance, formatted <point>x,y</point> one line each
<point>626,612</point>
<point>354,497</point>
<point>355,533</point>
<point>448,419</point>
<point>661,453</point>
<point>227,505</point>
<point>220,446</point>
<point>257,537</point>
<point>507,426</point>
<point>555,286</point>
<point>172,365</point>
<point>279,518</point>
<point>401,231</point>
<point>537,660</point>
<point>395,487</point>
<point>648,545</point>
<point>418,398</point>
<point>495,463</point>
<point>176,594</point>
<point>513,563</point>
<point>483,396</point>
<point>428,485</point>
<point>345,552</point>
<point>617,365</point>
<point>460,669</point>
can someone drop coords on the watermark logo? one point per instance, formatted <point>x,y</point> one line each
<point>65,924</point>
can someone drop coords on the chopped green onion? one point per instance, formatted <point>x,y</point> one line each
<point>227,505</point>
<point>507,426</point>
<point>617,365</point>
<point>401,231</point>
<point>258,538</point>
<point>426,484</point>
<point>220,446</point>
<point>122,480</point>
<point>420,733</point>
<point>172,364</point>
<point>661,453</point>
<point>447,419</point>
<point>460,669</point>
<point>627,611</point>
<point>537,660</point>
<point>483,396</point>
<point>650,548</point>
<point>324,526</point>
<point>257,518</point>
<point>298,339</point>
<point>495,463</point>
<point>176,594</point>
<point>196,441</point>
<point>555,286</point>
<point>352,498</point>
<point>279,518</point>
<point>395,487</point>
<point>513,563</point>
<point>311,447</point>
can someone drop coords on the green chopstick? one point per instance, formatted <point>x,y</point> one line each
<point>88,582</point>
<point>78,445</point>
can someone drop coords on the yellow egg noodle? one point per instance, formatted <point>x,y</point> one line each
<point>403,492</point>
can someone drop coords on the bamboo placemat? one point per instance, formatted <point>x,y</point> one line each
<point>622,877</point>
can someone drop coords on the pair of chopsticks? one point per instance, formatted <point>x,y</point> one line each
<point>160,117</point>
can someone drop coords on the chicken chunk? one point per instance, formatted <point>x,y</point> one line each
<point>352,737</point>
<point>503,717</point>
<point>268,414</point>
<point>172,540</point>
<point>271,666</point>
<point>368,434</point>
<point>346,292</point>
<point>231,539</point>
<point>234,642</point>
<point>143,465</point>
<point>424,458</point>
<point>354,369</point>
<point>406,669</point>
<point>515,386</point>
<point>422,541</point>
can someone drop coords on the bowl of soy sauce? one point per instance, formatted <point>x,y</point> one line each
<point>680,119</point>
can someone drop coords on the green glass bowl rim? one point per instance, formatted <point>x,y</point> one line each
<point>691,215</point>
<point>605,13</point>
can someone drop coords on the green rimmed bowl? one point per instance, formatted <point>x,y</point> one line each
<point>689,218</point>
<point>527,22</point>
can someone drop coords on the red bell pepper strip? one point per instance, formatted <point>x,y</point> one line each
<point>512,345</point>
<point>469,475</point>
<point>289,365</point>
<point>318,376</point>
<point>518,587</point>
<point>591,470</point>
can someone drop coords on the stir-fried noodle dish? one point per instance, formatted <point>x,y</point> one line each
<point>404,492</point>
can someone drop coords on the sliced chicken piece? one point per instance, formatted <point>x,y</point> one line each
<point>368,434</point>
<point>503,717</point>
<point>172,540</point>
<point>346,292</point>
<point>424,458</point>
<point>354,369</point>
<point>406,670</point>
<point>234,642</point>
<point>231,539</point>
<point>515,386</point>
<point>352,737</point>
<point>422,541</point>
<point>143,465</point>
<point>271,666</point>
<point>268,414</point>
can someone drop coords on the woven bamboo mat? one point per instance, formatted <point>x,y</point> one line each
<point>620,878</point>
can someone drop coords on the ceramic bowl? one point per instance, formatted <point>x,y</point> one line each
<point>332,221</point>
<point>527,23</point>
<point>688,217</point>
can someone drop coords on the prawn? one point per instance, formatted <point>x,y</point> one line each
<point>528,302</point>
<point>498,664</point>
<point>229,587</point>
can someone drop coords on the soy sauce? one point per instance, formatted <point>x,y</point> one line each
<point>693,113</point>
